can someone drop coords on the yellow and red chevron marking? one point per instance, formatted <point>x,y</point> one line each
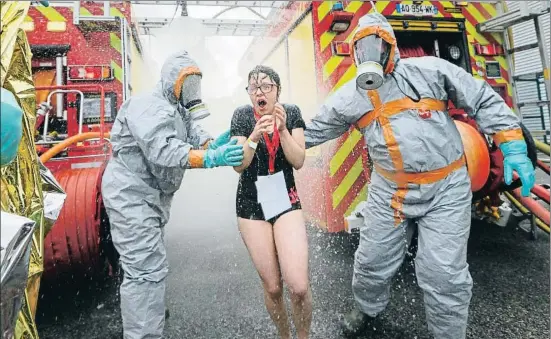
<point>114,38</point>
<point>346,179</point>
<point>474,13</point>
<point>86,49</point>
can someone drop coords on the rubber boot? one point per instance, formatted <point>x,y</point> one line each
<point>355,323</point>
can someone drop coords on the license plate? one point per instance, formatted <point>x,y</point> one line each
<point>419,10</point>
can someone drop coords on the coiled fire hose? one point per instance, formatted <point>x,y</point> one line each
<point>52,152</point>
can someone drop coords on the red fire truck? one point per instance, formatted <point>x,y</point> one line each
<point>87,60</point>
<point>308,44</point>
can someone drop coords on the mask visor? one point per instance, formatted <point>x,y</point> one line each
<point>371,48</point>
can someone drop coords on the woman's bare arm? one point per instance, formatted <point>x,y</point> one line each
<point>293,146</point>
<point>261,126</point>
<point>248,153</point>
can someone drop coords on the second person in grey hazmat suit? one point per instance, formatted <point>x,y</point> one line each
<point>419,174</point>
<point>155,137</point>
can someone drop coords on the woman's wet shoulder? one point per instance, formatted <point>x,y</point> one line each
<point>291,108</point>
<point>243,110</point>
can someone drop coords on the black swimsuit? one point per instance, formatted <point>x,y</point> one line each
<point>242,125</point>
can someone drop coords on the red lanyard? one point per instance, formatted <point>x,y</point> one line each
<point>272,145</point>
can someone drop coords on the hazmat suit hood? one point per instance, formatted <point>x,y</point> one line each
<point>377,19</point>
<point>176,69</point>
<point>180,85</point>
<point>369,51</point>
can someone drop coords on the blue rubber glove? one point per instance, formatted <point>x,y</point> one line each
<point>11,127</point>
<point>222,139</point>
<point>516,158</point>
<point>229,154</point>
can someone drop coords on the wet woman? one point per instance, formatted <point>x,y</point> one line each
<point>273,139</point>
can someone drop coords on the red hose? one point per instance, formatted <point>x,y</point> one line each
<point>524,211</point>
<point>72,247</point>
<point>533,206</point>
<point>68,142</point>
<point>543,166</point>
<point>540,191</point>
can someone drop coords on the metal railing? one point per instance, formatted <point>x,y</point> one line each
<point>77,88</point>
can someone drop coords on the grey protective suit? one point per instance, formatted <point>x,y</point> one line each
<point>404,139</point>
<point>152,138</point>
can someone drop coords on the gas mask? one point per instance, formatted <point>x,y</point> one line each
<point>190,103</point>
<point>373,51</point>
<point>371,54</point>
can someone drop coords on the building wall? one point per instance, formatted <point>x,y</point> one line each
<point>302,69</point>
<point>278,61</point>
<point>142,78</point>
<point>294,61</point>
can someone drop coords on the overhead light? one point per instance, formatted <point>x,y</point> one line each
<point>461,3</point>
<point>488,50</point>
<point>90,73</point>
<point>340,19</point>
<point>339,27</point>
<point>455,52</point>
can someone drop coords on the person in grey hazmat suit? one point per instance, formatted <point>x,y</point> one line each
<point>155,137</point>
<point>420,173</point>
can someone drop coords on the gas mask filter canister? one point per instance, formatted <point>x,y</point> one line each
<point>369,75</point>
<point>197,110</point>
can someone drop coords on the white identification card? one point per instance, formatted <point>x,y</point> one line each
<point>272,194</point>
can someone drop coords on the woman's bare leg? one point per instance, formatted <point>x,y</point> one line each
<point>292,250</point>
<point>259,239</point>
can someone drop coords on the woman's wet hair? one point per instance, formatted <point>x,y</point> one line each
<point>270,72</point>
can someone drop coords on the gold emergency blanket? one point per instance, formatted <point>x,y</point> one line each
<point>21,191</point>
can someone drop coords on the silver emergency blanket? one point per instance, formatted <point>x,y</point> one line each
<point>151,141</point>
<point>442,209</point>
<point>15,240</point>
